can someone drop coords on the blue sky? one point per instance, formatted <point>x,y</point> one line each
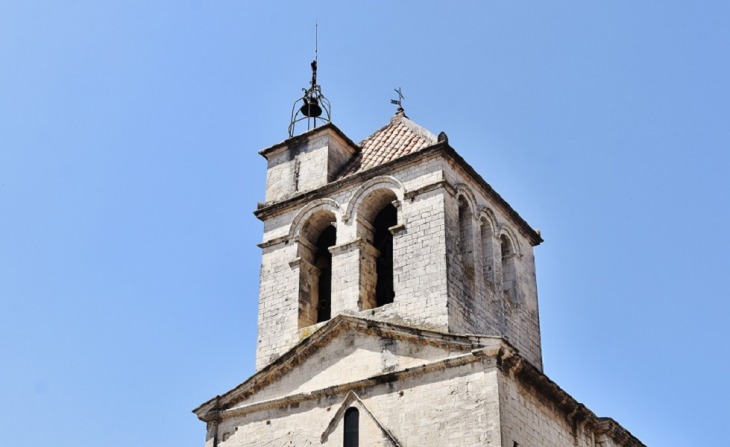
<point>129,171</point>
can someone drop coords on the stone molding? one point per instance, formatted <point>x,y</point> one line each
<point>411,195</point>
<point>487,214</point>
<point>576,413</point>
<point>436,150</point>
<point>326,204</point>
<point>351,398</point>
<point>274,241</point>
<point>464,191</point>
<point>375,183</point>
<point>364,222</point>
<point>359,243</point>
<point>304,265</point>
<point>309,135</point>
<point>486,349</point>
<point>395,229</point>
<point>328,331</point>
<point>304,242</point>
<point>450,362</point>
<point>504,230</point>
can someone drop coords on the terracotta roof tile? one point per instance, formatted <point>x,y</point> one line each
<point>399,137</point>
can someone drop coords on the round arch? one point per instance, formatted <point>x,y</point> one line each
<point>365,190</point>
<point>313,207</point>
<point>464,192</point>
<point>509,234</point>
<point>486,215</point>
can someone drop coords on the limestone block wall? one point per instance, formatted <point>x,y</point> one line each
<point>505,302</point>
<point>410,394</point>
<point>419,266</point>
<point>419,262</point>
<point>531,420</point>
<point>278,302</point>
<point>453,407</point>
<point>449,270</point>
<point>604,441</point>
<point>305,163</point>
<point>468,310</point>
<point>350,358</point>
<point>346,283</point>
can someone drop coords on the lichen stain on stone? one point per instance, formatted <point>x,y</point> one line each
<point>306,332</point>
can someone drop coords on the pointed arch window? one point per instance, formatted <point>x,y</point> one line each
<point>352,428</point>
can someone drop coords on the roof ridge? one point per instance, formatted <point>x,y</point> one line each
<point>399,137</point>
<point>421,131</point>
<point>415,128</point>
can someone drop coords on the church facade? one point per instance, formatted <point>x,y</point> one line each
<point>397,307</point>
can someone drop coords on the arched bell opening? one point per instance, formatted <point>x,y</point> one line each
<point>488,267</point>
<point>317,235</point>
<point>323,261</point>
<point>509,272</point>
<point>466,246</point>
<point>377,215</point>
<point>383,242</point>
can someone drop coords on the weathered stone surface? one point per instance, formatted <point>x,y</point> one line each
<point>411,386</point>
<point>435,286</point>
<point>454,360</point>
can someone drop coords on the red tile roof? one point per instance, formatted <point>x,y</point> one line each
<point>399,137</point>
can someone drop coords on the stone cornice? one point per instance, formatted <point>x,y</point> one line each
<point>576,413</point>
<point>450,362</point>
<point>476,348</point>
<point>410,195</point>
<point>359,243</point>
<point>309,135</point>
<point>266,210</point>
<point>274,241</point>
<point>305,265</point>
<point>612,429</point>
<point>322,336</point>
<point>532,235</point>
<point>352,397</point>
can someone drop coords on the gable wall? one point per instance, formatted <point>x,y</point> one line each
<point>454,407</point>
<point>349,357</point>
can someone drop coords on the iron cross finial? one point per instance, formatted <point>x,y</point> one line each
<point>399,101</point>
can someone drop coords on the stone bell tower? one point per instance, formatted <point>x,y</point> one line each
<point>397,304</point>
<point>399,229</point>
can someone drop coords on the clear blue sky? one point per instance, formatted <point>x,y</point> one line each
<point>129,171</point>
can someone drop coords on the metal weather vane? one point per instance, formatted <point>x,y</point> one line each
<point>399,101</point>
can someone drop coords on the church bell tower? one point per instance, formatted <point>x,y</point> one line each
<point>397,303</point>
<point>399,229</point>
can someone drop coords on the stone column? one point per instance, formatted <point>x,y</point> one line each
<point>354,277</point>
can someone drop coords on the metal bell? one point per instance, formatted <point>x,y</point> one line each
<point>311,107</point>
